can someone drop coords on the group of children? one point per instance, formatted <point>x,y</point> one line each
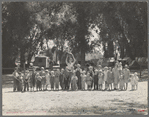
<point>100,78</point>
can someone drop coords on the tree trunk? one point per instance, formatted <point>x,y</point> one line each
<point>22,57</point>
<point>82,58</point>
<point>81,32</point>
<point>110,49</point>
<point>127,46</point>
<point>122,51</point>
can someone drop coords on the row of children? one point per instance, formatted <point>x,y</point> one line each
<point>106,77</point>
<point>99,78</point>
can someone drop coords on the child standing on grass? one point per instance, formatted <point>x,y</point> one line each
<point>56,80</point>
<point>26,81</point>
<point>100,79</point>
<point>83,77</point>
<point>43,81</point>
<point>121,80</point>
<point>38,82</point>
<point>110,78</point>
<point>126,73</point>
<point>132,81</point>
<point>136,80</point>
<point>21,82</point>
<point>15,80</point>
<point>88,81</point>
<point>62,79</point>
<point>96,80</point>
<point>47,79</point>
<point>105,77</point>
<point>52,80</point>
<point>74,79</point>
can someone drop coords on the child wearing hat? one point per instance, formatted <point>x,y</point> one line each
<point>74,79</point>
<point>56,80</point>
<point>121,80</point>
<point>83,77</point>
<point>88,81</point>
<point>136,80</point>
<point>38,81</point>
<point>52,80</point>
<point>100,79</point>
<point>126,73</point>
<point>132,81</point>
<point>96,80</point>
<point>105,77</point>
<point>15,79</point>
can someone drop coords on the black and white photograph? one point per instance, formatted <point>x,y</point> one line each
<point>74,58</point>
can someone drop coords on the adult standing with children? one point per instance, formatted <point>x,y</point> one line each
<point>116,76</point>
<point>15,79</point>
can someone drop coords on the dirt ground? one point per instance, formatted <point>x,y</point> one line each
<point>76,102</point>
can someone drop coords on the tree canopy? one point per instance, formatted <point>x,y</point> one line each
<point>26,24</point>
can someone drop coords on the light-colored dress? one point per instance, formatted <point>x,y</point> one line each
<point>83,78</point>
<point>74,82</point>
<point>42,74</point>
<point>116,75</point>
<point>126,75</point>
<point>100,78</point>
<point>121,77</point>
<point>110,78</point>
<point>132,80</point>
<point>105,75</point>
<point>48,79</point>
<point>88,80</point>
<point>136,80</point>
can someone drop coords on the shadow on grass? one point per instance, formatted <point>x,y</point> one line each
<point>118,107</point>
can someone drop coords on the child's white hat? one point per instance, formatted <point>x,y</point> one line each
<point>135,73</point>
<point>90,67</point>
<point>84,71</point>
<point>42,68</point>
<point>46,70</point>
<point>106,67</point>
<point>100,70</point>
<point>126,66</point>
<point>96,69</point>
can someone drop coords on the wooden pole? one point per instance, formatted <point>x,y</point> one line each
<point>140,71</point>
<point>24,68</point>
